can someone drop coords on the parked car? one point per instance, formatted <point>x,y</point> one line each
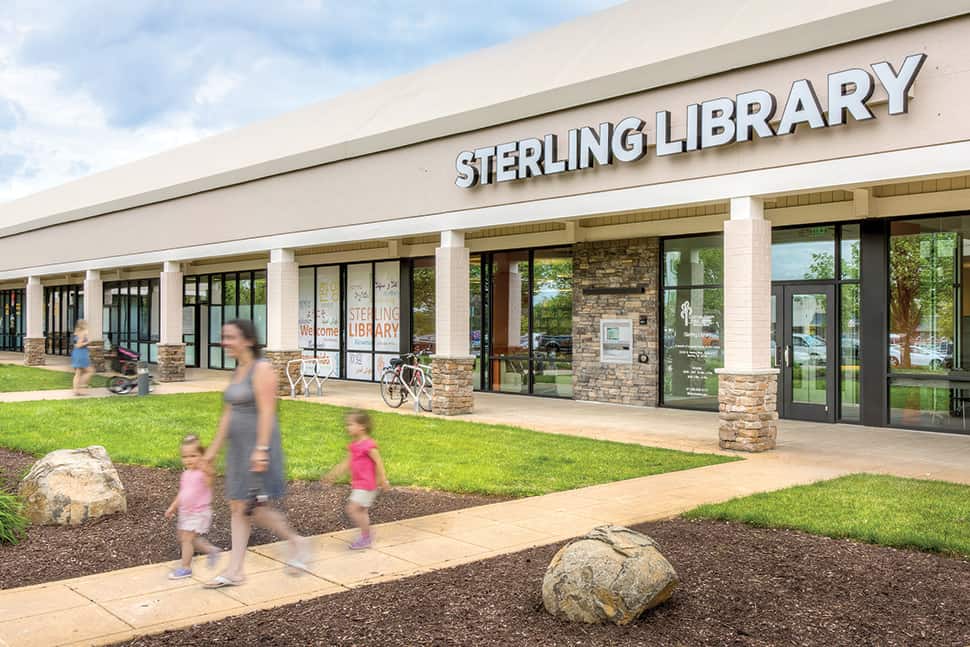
<point>555,343</point>
<point>919,357</point>
<point>808,348</point>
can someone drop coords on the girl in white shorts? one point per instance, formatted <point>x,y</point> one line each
<point>194,506</point>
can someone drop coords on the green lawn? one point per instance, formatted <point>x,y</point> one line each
<point>424,451</point>
<point>887,510</point>
<point>26,378</point>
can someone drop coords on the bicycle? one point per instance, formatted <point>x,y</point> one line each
<point>404,378</point>
<point>124,384</point>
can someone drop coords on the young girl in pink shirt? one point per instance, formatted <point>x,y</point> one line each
<point>194,505</point>
<point>366,474</point>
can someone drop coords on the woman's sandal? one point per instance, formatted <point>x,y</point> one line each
<point>221,582</point>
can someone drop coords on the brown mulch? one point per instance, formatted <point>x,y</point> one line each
<point>739,586</point>
<point>144,536</point>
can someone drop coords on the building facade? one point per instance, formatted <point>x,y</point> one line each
<point>774,224</point>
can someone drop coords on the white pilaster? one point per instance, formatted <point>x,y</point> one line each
<point>747,287</point>
<point>35,308</point>
<point>94,304</point>
<point>170,303</point>
<point>451,296</point>
<point>282,301</point>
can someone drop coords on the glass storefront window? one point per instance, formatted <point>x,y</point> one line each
<point>12,320</point>
<point>422,306</point>
<point>132,315</point>
<point>849,320</point>
<point>803,253</point>
<point>850,252</point>
<point>478,316</point>
<point>552,322</point>
<point>693,309</point>
<point>511,346</point>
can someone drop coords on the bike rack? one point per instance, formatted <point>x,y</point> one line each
<point>421,389</point>
<point>310,372</point>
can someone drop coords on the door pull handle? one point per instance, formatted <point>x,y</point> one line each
<point>787,355</point>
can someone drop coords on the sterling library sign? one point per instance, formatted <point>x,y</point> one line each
<point>712,123</point>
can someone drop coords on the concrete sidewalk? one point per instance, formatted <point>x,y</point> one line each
<point>109,607</point>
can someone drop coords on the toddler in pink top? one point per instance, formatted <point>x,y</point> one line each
<point>366,470</point>
<point>194,505</point>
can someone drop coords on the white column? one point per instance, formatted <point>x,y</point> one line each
<point>282,301</point>
<point>170,303</point>
<point>451,296</point>
<point>94,304</point>
<point>747,287</point>
<point>35,308</point>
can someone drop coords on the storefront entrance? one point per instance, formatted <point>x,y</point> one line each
<point>803,348</point>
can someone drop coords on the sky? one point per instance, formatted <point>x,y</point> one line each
<point>87,85</point>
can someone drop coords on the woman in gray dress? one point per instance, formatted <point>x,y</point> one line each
<point>254,458</point>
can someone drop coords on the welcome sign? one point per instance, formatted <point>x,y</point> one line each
<point>713,123</point>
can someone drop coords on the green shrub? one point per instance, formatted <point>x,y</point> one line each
<point>12,519</point>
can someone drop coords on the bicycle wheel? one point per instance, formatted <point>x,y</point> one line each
<point>392,391</point>
<point>119,385</point>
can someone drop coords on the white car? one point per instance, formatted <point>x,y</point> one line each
<point>919,357</point>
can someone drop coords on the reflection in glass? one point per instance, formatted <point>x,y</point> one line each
<point>552,322</point>
<point>477,317</point>
<point>849,351</point>
<point>850,251</point>
<point>422,306</point>
<point>692,346</point>
<point>941,405</point>
<point>695,260</point>
<point>808,355</point>
<point>805,253</point>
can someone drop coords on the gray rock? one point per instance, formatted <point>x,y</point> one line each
<point>71,486</point>
<point>613,574</point>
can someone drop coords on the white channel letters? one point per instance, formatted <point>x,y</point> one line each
<point>709,124</point>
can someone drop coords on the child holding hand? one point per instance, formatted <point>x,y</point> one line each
<point>194,505</point>
<point>367,473</point>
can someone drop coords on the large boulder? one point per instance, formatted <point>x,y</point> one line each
<point>71,486</point>
<point>612,574</point>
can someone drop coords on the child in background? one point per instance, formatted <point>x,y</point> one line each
<point>193,503</point>
<point>366,470</point>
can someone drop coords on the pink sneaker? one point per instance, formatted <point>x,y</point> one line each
<point>361,543</point>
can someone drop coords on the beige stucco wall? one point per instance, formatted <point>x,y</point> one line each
<point>419,180</point>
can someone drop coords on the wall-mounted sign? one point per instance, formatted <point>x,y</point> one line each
<point>616,341</point>
<point>712,123</point>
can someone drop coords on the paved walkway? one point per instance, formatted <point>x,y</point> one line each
<point>114,606</point>
<point>101,609</point>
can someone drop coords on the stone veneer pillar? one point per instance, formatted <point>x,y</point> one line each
<point>747,385</point>
<point>453,363</point>
<point>34,343</point>
<point>283,315</point>
<point>94,315</point>
<point>171,348</point>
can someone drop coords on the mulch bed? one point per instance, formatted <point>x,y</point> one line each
<point>740,586</point>
<point>144,536</point>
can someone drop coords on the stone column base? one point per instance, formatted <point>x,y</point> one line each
<point>279,359</point>
<point>452,379</point>
<point>748,409</point>
<point>34,348</point>
<point>171,362</point>
<point>96,353</point>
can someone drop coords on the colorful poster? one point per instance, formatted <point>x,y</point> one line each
<point>328,307</point>
<point>381,362</point>
<point>329,363</point>
<point>359,366</point>
<point>359,308</point>
<point>387,304</point>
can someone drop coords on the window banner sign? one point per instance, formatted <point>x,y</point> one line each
<point>359,366</point>
<point>712,123</point>
<point>359,310</point>
<point>387,302</point>
<point>328,307</point>
<point>616,341</point>
<point>306,308</point>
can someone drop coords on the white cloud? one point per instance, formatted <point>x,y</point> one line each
<point>91,84</point>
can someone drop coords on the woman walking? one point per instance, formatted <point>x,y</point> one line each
<point>81,357</point>
<point>254,458</point>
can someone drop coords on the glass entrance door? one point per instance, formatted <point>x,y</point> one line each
<point>805,351</point>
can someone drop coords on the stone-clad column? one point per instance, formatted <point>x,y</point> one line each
<point>94,315</point>
<point>171,348</point>
<point>34,339</point>
<point>283,314</point>
<point>747,385</point>
<point>453,363</point>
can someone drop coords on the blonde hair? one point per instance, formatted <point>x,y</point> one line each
<point>80,326</point>
<point>358,417</point>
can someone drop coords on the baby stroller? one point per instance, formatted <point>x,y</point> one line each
<point>125,361</point>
